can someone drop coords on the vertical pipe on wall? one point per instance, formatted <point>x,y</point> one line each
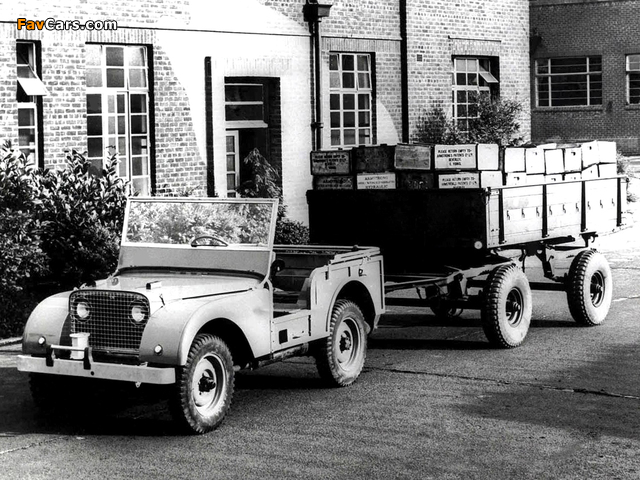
<point>404,74</point>
<point>318,82</point>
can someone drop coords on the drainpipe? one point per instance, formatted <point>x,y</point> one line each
<point>314,13</point>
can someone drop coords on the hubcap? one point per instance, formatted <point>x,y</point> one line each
<point>514,307</point>
<point>347,345</point>
<point>597,289</point>
<point>209,378</point>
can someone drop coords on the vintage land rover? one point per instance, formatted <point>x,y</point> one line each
<point>199,293</point>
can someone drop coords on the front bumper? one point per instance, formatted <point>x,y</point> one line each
<point>87,368</point>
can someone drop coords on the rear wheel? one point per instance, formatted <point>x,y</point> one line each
<point>340,357</point>
<point>506,312</point>
<point>589,288</point>
<point>205,384</point>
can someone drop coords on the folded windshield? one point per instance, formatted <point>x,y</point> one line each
<point>200,222</point>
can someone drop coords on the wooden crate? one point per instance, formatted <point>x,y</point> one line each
<point>333,182</point>
<point>535,179</point>
<point>514,159</point>
<point>515,178</point>
<point>607,152</point>
<point>413,157</point>
<point>606,170</point>
<point>492,178</point>
<point>375,159</point>
<point>330,162</point>
<point>459,180</point>
<point>572,160</point>
<point>483,156</point>
<point>590,154</point>
<point>415,180</point>
<point>534,160</point>
<point>376,181</point>
<point>553,161</point>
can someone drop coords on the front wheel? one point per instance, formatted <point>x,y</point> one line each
<point>204,386</point>
<point>506,313</point>
<point>340,357</point>
<point>589,288</point>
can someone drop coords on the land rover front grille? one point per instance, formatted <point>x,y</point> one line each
<point>114,319</point>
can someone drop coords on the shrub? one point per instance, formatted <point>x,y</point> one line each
<point>496,122</point>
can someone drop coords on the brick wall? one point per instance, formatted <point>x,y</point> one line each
<point>437,30</point>
<point>580,28</point>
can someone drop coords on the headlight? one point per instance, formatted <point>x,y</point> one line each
<point>139,313</point>
<point>83,310</point>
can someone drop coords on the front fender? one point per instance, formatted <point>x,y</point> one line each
<point>47,320</point>
<point>175,326</point>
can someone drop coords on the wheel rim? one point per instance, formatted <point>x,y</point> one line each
<point>597,289</point>
<point>514,307</point>
<point>348,343</point>
<point>209,380</point>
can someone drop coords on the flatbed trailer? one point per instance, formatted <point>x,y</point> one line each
<point>468,248</point>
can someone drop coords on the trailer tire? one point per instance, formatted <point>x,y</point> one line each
<point>507,307</point>
<point>340,357</point>
<point>204,388</point>
<point>589,288</point>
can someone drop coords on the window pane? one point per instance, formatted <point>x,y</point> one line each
<point>138,103</point>
<point>94,125</point>
<point>26,117</point>
<point>364,136</point>
<point>243,93</point>
<point>335,120</point>
<point>231,181</point>
<point>137,78</point>
<point>461,79</point>
<point>334,101</point>
<point>121,103</point>
<point>95,147</point>
<point>138,124</point>
<point>112,126</point>
<point>568,65</point>
<point>231,143</point>
<point>347,62</point>
<point>115,56</point>
<point>26,136</point>
<point>94,57</point>
<point>634,62</point>
<point>122,124</point>
<point>364,119</point>
<point>141,185</point>
<point>231,163</point>
<point>363,63</point>
<point>334,80</point>
<point>138,145</point>
<point>349,119</point>
<point>135,56</point>
<point>350,137</point>
<point>111,104</point>
<point>333,62</point>
<point>115,77</point>
<point>94,103</point>
<point>335,137</point>
<point>364,101</point>
<point>349,101</point>
<point>243,112</point>
<point>363,80</point>
<point>542,67</point>
<point>139,166</point>
<point>93,77</point>
<point>348,80</point>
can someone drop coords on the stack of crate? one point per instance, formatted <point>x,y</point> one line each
<point>360,168</point>
<point>555,163</point>
<point>419,167</point>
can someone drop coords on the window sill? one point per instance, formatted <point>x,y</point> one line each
<point>598,108</point>
<point>635,106</point>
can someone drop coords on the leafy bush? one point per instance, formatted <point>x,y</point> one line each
<point>59,229</point>
<point>495,122</point>
<point>263,183</point>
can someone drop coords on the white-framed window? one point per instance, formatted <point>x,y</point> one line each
<point>233,162</point>
<point>117,78</point>
<point>244,105</point>
<point>30,89</point>
<point>472,77</point>
<point>633,79</point>
<point>568,81</point>
<point>350,99</point>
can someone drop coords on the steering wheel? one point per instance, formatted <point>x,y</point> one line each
<point>196,241</point>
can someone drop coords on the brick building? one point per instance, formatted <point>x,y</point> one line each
<point>182,90</point>
<point>586,71</point>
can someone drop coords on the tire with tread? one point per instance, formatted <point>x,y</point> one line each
<point>340,357</point>
<point>589,288</point>
<point>204,388</point>
<point>507,306</point>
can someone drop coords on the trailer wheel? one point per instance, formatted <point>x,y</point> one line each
<point>204,387</point>
<point>506,312</point>
<point>340,357</point>
<point>445,312</point>
<point>589,288</point>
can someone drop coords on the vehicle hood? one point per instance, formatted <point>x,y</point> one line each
<point>163,289</point>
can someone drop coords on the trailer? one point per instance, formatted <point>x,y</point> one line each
<point>468,248</point>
